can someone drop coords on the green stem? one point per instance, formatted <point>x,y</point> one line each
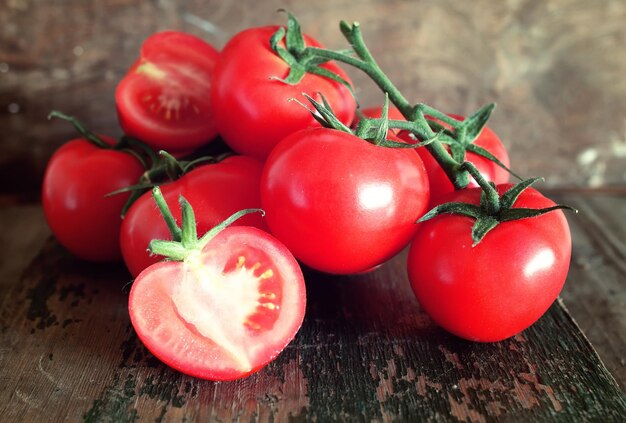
<point>167,214</point>
<point>414,115</point>
<point>436,114</point>
<point>491,194</point>
<point>90,136</point>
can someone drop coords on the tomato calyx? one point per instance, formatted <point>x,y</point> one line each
<point>164,167</point>
<point>494,208</point>
<point>185,242</point>
<point>373,130</point>
<point>298,56</point>
<point>458,135</point>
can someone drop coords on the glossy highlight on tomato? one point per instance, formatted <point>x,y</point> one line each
<point>501,286</point>
<point>77,180</point>
<point>253,109</point>
<point>216,191</point>
<point>341,204</point>
<point>164,98</point>
<point>224,312</point>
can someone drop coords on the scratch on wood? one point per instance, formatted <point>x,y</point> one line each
<point>532,378</point>
<point>115,403</point>
<point>462,411</point>
<point>38,310</point>
<point>423,383</point>
<point>451,357</point>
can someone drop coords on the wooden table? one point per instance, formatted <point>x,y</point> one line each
<point>366,351</point>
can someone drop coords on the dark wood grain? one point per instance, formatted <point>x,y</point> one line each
<point>596,290</point>
<point>366,352</point>
<point>554,67</point>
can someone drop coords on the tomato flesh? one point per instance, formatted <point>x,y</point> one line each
<point>164,98</point>
<point>224,312</point>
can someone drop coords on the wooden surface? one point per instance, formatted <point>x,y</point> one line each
<point>366,352</point>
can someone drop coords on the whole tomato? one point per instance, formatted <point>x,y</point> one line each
<point>77,180</point>
<point>164,98</point>
<point>253,109</point>
<point>339,203</point>
<point>500,286</point>
<point>216,191</point>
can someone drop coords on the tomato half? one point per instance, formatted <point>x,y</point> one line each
<point>339,203</point>
<point>225,312</point>
<point>164,98</point>
<point>78,177</point>
<point>215,190</point>
<point>253,110</point>
<point>502,285</point>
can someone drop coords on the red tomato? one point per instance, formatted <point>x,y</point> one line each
<point>164,98</point>
<point>81,217</point>
<point>225,312</point>
<point>502,285</point>
<point>216,191</point>
<point>339,203</point>
<point>253,111</point>
<point>440,183</point>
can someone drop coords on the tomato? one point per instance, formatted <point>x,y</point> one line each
<point>253,110</point>
<point>215,190</point>
<point>164,98</point>
<point>341,204</point>
<point>77,178</point>
<point>502,285</point>
<point>440,183</point>
<point>224,312</point>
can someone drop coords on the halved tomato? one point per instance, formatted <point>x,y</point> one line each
<point>225,311</point>
<point>164,98</point>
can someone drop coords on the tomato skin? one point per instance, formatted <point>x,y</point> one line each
<point>82,218</point>
<point>254,111</point>
<point>216,191</point>
<point>181,345</point>
<point>499,287</point>
<point>341,204</point>
<point>163,100</point>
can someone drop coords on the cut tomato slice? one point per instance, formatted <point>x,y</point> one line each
<point>224,312</point>
<point>164,98</point>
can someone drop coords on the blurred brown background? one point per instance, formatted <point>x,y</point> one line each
<point>555,68</point>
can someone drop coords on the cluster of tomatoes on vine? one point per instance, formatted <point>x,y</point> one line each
<point>310,179</point>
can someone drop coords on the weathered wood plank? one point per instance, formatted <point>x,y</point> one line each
<point>596,292</point>
<point>366,352</point>
<point>24,231</point>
